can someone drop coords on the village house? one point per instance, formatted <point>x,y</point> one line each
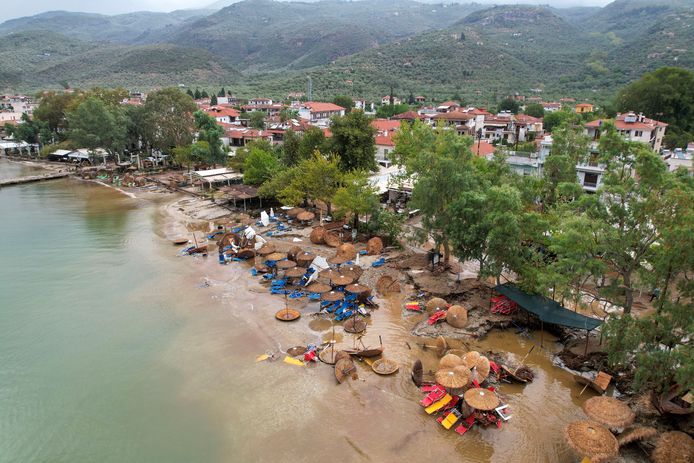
<point>259,101</point>
<point>238,137</point>
<point>360,104</point>
<point>634,127</point>
<point>386,100</point>
<point>448,106</point>
<point>551,106</point>
<point>419,99</point>
<point>223,114</point>
<point>679,157</point>
<point>10,117</point>
<point>272,109</point>
<point>318,113</point>
<point>583,108</point>
<point>383,140</point>
<point>464,122</point>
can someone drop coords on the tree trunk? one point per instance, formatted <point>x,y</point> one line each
<point>330,208</point>
<point>446,252</point>
<point>355,224</point>
<point>661,296</point>
<point>628,294</point>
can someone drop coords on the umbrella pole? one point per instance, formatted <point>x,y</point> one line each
<point>523,360</point>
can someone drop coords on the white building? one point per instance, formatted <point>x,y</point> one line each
<point>634,127</point>
<point>319,113</point>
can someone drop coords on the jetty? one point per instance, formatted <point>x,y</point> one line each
<point>32,178</point>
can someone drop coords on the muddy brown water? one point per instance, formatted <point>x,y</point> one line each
<point>280,412</point>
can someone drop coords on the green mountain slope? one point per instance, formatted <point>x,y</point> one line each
<point>86,64</point>
<point>123,28</point>
<point>265,34</point>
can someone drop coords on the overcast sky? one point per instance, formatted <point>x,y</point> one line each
<point>17,8</point>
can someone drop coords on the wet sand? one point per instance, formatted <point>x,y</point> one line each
<point>275,411</point>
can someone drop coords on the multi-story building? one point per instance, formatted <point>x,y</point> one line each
<point>634,127</point>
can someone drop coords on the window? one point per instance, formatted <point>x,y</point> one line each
<point>638,133</point>
<point>590,180</point>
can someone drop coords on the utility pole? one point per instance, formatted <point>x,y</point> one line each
<point>309,93</point>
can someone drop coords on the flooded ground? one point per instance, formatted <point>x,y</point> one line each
<point>115,348</point>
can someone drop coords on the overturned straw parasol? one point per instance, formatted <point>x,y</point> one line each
<point>266,250</point>
<point>480,371</point>
<point>332,296</point>
<point>450,361</point>
<point>287,315</point>
<point>286,264</point>
<point>262,268</point>
<point>328,274</point>
<point>609,411</point>
<point>355,325</point>
<point>351,269</point>
<point>417,373</point>
<point>636,434</point>
<point>441,346</point>
<point>245,253</point>
<point>332,239</point>
<point>341,280</point>
<point>436,303</point>
<point>296,272</point>
<point>453,378</point>
<point>384,366</point>
<point>674,447</point>
<point>318,288</point>
<point>481,399</point>
<point>275,256</point>
<point>356,288</point>
<point>456,316</point>
<point>297,350</point>
<point>344,368</point>
<point>294,252</point>
<point>591,439</point>
<point>295,211</point>
<point>304,259</point>
<point>305,216</point>
<point>471,358</point>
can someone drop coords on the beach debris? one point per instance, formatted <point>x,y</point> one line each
<point>450,361</point>
<point>317,235</point>
<point>355,325</point>
<point>635,434</point>
<point>413,306</point>
<point>332,239</point>
<point>337,260</point>
<point>481,399</point>
<point>287,314</point>
<point>297,350</point>
<point>673,447</point>
<point>592,440</point>
<point>285,264</point>
<point>181,240</point>
<point>385,366</point>
<point>305,216</point>
<point>456,316</point>
<point>345,368</point>
<point>435,304</point>
<point>266,250</point>
<point>347,251</point>
<point>417,373</point>
<point>295,211</point>
<point>454,378</point>
<point>341,280</point>
<point>374,246</point>
<point>609,411</point>
<point>293,361</point>
<point>262,357</point>
<point>598,384</point>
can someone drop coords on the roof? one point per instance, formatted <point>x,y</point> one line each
<point>525,119</point>
<point>384,140</point>
<point>483,148</point>
<point>220,111</point>
<point>319,107</point>
<point>584,105</point>
<point>385,125</point>
<point>642,123</point>
<point>546,309</point>
<point>455,116</point>
<point>449,103</point>
<point>407,116</point>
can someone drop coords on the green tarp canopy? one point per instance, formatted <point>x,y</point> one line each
<point>548,310</point>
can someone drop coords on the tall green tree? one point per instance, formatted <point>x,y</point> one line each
<point>95,125</point>
<point>353,141</point>
<point>666,95</point>
<point>213,100</point>
<point>312,140</point>
<point>53,108</point>
<point>259,166</point>
<point>318,179</point>
<point>290,149</point>
<point>356,196</point>
<point>168,119</point>
<point>344,101</point>
<point>210,132</point>
<point>31,131</point>
<point>570,146</point>
<point>257,120</point>
<point>509,104</point>
<point>535,110</point>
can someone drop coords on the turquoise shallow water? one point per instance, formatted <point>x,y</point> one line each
<point>86,315</point>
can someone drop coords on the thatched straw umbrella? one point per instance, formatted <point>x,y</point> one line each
<point>296,272</point>
<point>457,316</point>
<point>385,366</point>
<point>286,264</point>
<point>674,447</point>
<point>304,259</point>
<point>592,440</point>
<point>435,304</point>
<point>332,239</point>
<point>481,399</point>
<point>337,260</point>
<point>327,275</point>
<point>287,315</point>
<point>450,361</point>
<point>295,211</point>
<point>471,358</point>
<point>318,288</point>
<point>317,235</point>
<point>341,280</point>
<point>347,250</point>
<point>344,368</point>
<point>294,252</point>
<point>355,325</point>
<point>305,216</point>
<point>356,288</point>
<point>266,250</point>
<point>453,378</point>
<point>441,346</point>
<point>275,256</point>
<point>332,296</point>
<point>417,373</point>
<point>480,371</point>
<point>609,411</point>
<point>636,434</point>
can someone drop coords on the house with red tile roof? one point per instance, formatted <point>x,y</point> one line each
<point>222,113</point>
<point>634,127</point>
<point>448,106</point>
<point>319,113</point>
<point>583,108</point>
<point>383,140</point>
<point>386,100</point>
<point>551,106</point>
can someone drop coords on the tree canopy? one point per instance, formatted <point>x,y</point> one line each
<point>353,141</point>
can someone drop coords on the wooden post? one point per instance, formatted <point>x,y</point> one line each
<point>542,333</point>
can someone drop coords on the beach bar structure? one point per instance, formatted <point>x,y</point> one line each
<point>212,177</point>
<point>241,193</point>
<point>548,311</point>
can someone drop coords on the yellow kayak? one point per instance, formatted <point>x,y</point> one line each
<point>436,406</point>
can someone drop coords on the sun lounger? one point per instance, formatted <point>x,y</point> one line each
<point>451,418</point>
<point>436,393</point>
<point>437,317</point>
<point>378,263</point>
<point>436,406</point>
